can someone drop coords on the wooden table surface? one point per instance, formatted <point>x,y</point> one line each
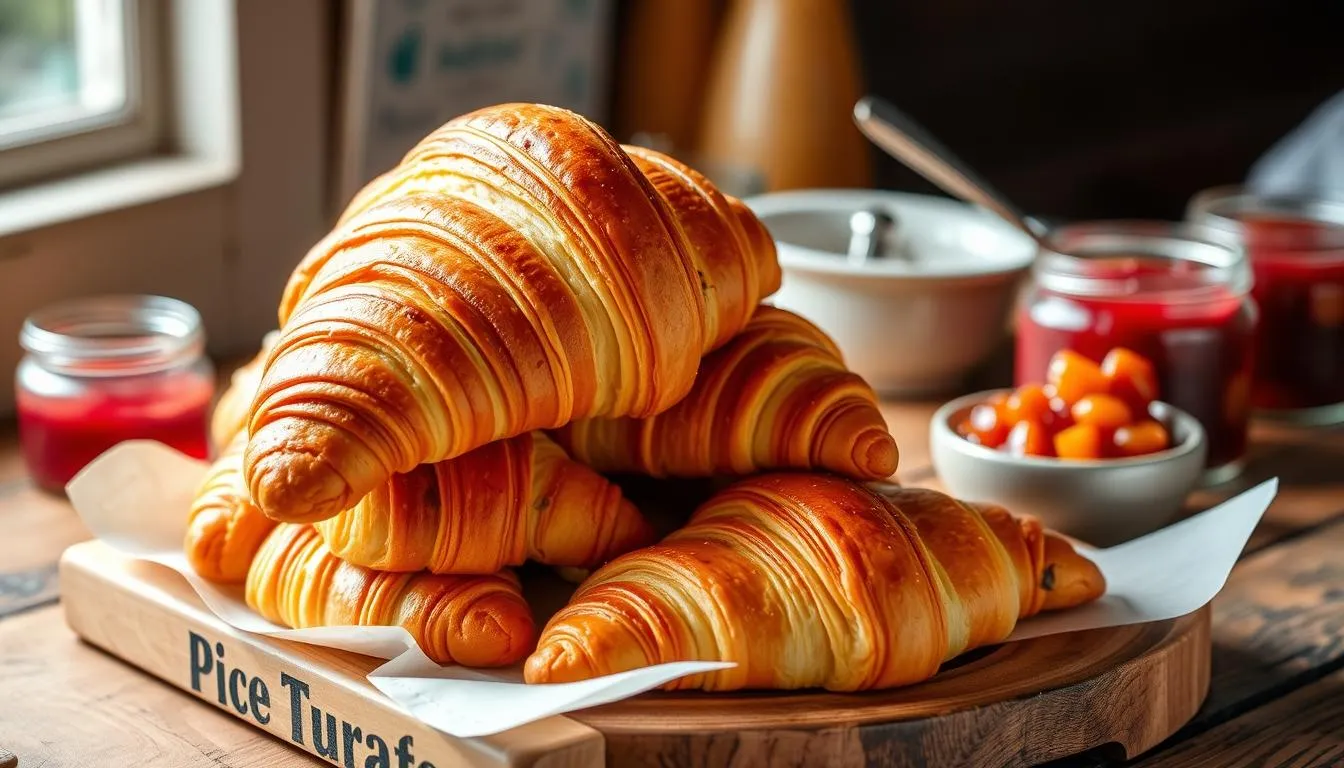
<point>1277,694</point>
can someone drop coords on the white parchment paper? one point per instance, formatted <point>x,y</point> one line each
<point>135,499</point>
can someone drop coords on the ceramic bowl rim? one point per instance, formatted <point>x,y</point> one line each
<point>942,424</point>
<point>793,256</point>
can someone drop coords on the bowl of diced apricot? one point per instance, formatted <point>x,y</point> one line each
<point>1091,451</point>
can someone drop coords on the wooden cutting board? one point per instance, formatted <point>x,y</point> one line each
<point>1017,704</point>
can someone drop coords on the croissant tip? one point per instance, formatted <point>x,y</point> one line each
<point>553,662</point>
<point>1072,578</point>
<point>296,487</point>
<point>501,632</point>
<point>875,452</point>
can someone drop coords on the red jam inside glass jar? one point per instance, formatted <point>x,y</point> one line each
<point>1164,291</point>
<point>103,370</point>
<point>1296,249</point>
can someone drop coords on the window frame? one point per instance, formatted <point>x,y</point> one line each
<point>85,142</point>
<point>216,216</point>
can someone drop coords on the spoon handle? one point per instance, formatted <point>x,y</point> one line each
<point>907,141</point>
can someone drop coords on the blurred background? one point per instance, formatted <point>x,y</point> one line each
<point>196,148</point>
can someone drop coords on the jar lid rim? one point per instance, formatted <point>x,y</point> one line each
<point>1220,256</point>
<point>114,334</point>
<point>1222,204</point>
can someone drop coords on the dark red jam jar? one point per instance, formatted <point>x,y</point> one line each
<point>1296,249</point>
<point>102,370</point>
<point>1178,294</point>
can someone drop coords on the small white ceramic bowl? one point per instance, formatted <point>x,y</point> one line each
<point>1102,502</point>
<point>911,326</point>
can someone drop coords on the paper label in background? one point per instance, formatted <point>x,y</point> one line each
<point>412,65</point>
<point>135,498</point>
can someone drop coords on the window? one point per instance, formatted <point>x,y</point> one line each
<point>208,207</point>
<point>78,84</point>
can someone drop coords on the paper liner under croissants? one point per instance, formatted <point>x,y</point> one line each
<point>517,271</point>
<point>477,621</point>
<point>776,396</point>
<point>814,581</point>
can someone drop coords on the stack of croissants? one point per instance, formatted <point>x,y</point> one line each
<point>524,306</point>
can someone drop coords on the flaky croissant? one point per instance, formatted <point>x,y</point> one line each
<point>476,621</point>
<point>518,270</point>
<point>224,528</point>
<point>815,581</point>
<point>776,396</point>
<point>508,501</point>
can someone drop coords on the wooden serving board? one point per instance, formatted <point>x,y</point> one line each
<point>1017,704</point>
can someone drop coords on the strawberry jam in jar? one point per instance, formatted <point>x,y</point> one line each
<point>102,370</point>
<point>1295,245</point>
<point>1177,294</point>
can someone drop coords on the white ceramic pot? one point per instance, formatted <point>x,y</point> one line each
<point>911,325</point>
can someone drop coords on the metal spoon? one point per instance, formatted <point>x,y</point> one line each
<point>904,139</point>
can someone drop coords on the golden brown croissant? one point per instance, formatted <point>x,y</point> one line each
<point>777,396</point>
<point>224,528</point>
<point>518,270</point>
<point>476,621</point>
<point>815,581</point>
<point>511,500</point>
<point>499,505</point>
<point>234,406</point>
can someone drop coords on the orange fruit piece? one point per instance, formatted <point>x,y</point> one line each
<point>1101,411</point>
<point>1137,439</point>
<point>1081,441</point>
<point>1132,378</point>
<point>1028,438</point>
<point>986,425</point>
<point>1028,402</point>
<point>1074,376</point>
<point>1060,416</point>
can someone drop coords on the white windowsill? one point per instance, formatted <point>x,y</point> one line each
<point>132,183</point>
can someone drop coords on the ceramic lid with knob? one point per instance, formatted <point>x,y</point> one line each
<point>890,233</point>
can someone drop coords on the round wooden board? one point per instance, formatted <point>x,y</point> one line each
<point>1016,704</point>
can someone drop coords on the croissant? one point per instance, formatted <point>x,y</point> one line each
<point>518,270</point>
<point>476,621</point>
<point>224,528</point>
<point>777,396</point>
<point>815,581</point>
<point>508,501</point>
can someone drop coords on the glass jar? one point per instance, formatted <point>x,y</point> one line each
<point>102,370</point>
<point>1178,294</point>
<point>1295,244</point>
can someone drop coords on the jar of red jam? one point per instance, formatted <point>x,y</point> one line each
<point>1178,294</point>
<point>102,370</point>
<point>1295,244</point>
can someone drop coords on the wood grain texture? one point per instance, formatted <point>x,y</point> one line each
<point>146,614</point>
<point>1302,729</point>
<point>1278,623</point>
<point>1307,464</point>
<point>37,527</point>
<point>1132,686</point>
<point>69,704</point>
